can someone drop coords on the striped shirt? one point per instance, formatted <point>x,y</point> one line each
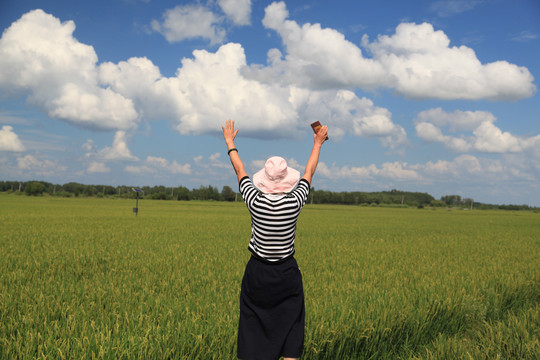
<point>273,219</point>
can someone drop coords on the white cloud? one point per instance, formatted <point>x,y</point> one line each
<point>461,165</point>
<point>448,8</point>
<point>423,65</point>
<point>463,172</point>
<point>213,163</point>
<point>157,165</point>
<point>198,159</point>
<point>239,11</point>
<point>455,121</point>
<point>525,36</point>
<point>190,21</point>
<point>432,133</point>
<point>390,170</point>
<point>97,167</point>
<point>416,61</point>
<point>89,146</point>
<point>257,165</point>
<point>140,169</point>
<point>316,58</point>
<point>40,59</point>
<point>173,167</point>
<point>207,90</point>
<point>344,112</point>
<point>118,150</point>
<point>9,141</point>
<point>295,165</point>
<point>33,166</point>
<point>485,136</point>
<point>279,100</point>
<point>211,87</point>
<point>490,138</point>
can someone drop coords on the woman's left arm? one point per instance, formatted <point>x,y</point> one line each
<point>229,134</point>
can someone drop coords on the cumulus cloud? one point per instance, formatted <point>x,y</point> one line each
<point>33,166</point>
<point>40,59</point>
<point>416,61</point>
<point>481,133</point>
<point>489,138</point>
<point>344,112</point>
<point>477,170</point>
<point>316,58</point>
<point>457,120</point>
<point>211,167</point>
<point>119,149</point>
<point>97,167</point>
<point>239,11</point>
<point>207,89</point>
<point>157,165</point>
<point>389,170</point>
<point>211,87</point>
<point>279,100</point>
<point>464,169</point>
<point>89,146</point>
<point>9,141</point>
<point>190,21</point>
<point>423,65</point>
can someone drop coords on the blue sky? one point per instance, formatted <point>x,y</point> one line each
<point>431,96</point>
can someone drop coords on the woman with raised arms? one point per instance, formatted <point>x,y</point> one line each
<point>272,312</point>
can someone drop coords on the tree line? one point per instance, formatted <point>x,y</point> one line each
<point>210,193</point>
<point>73,189</point>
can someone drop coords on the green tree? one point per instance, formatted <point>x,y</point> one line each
<point>74,188</point>
<point>183,193</point>
<point>34,188</point>
<point>227,194</point>
<point>452,200</point>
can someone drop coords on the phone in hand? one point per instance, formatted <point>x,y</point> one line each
<point>316,126</point>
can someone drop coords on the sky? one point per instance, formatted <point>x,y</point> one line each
<point>426,96</point>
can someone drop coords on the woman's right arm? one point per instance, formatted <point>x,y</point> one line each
<point>318,139</point>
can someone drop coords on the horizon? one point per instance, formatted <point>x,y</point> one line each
<point>425,96</point>
<point>131,187</point>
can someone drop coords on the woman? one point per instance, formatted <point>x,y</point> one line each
<point>272,297</point>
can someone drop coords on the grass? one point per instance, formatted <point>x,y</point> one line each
<point>86,278</point>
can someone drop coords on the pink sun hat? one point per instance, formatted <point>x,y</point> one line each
<point>276,176</point>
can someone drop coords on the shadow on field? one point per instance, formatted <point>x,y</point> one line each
<point>411,333</point>
<point>405,335</point>
<point>511,298</point>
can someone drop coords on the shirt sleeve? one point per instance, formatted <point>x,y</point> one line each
<point>301,192</point>
<point>247,190</point>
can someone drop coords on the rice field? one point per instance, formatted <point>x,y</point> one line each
<point>87,279</point>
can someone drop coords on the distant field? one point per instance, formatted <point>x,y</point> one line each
<point>86,278</point>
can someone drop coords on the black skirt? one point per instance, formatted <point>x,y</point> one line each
<point>272,312</point>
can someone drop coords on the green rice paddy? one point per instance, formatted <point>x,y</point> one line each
<point>87,279</point>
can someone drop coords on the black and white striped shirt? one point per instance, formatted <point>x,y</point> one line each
<point>273,219</point>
